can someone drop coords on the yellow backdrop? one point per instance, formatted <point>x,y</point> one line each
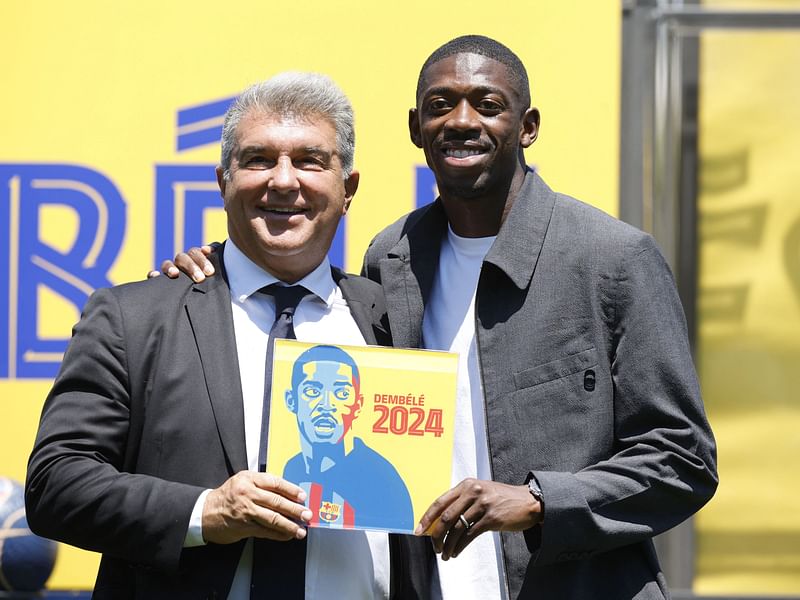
<point>748,344</point>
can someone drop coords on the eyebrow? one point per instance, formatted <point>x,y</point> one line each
<point>318,386</point>
<point>318,152</point>
<point>443,90</point>
<point>249,149</point>
<point>317,383</point>
<point>313,150</point>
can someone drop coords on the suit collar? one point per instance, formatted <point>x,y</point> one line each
<point>208,306</point>
<point>408,272</point>
<point>409,268</point>
<point>423,237</point>
<point>519,242</point>
<point>245,277</point>
<point>515,251</point>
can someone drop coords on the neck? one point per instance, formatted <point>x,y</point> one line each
<point>288,269</point>
<point>484,215</point>
<point>321,457</point>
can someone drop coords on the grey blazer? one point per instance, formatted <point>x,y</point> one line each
<point>589,385</point>
<point>144,415</point>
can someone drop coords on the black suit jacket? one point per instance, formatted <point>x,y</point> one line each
<point>144,415</point>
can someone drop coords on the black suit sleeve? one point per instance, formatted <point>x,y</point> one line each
<point>76,489</point>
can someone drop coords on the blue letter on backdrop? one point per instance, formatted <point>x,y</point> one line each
<point>31,262</point>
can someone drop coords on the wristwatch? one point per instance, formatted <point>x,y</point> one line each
<point>536,491</point>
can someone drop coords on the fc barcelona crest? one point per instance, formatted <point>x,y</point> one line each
<point>330,512</point>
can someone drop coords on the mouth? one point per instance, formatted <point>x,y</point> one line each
<point>462,152</point>
<point>284,211</point>
<point>325,424</point>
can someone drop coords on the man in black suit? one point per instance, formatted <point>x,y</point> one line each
<point>148,444</point>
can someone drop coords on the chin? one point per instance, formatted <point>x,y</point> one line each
<point>465,191</point>
<point>278,247</point>
<point>327,438</point>
<point>462,184</point>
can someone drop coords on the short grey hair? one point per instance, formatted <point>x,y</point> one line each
<point>294,95</point>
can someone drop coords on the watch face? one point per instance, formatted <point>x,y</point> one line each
<point>535,490</point>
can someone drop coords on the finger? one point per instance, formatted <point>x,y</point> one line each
<point>431,516</point>
<point>206,249</point>
<point>275,526</point>
<point>465,540</point>
<point>461,534</point>
<point>169,269</point>
<point>290,509</point>
<point>453,519</point>
<point>452,536</point>
<point>187,265</point>
<point>152,274</point>
<point>448,522</point>
<point>278,485</point>
<point>198,256</point>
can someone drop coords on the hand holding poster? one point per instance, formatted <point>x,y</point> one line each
<point>367,432</point>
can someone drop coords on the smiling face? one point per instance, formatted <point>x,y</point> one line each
<point>472,125</point>
<point>326,401</point>
<point>286,192</point>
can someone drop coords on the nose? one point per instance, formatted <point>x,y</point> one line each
<point>463,117</point>
<point>283,176</point>
<point>327,403</point>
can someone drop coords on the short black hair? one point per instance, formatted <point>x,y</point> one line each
<point>323,353</point>
<point>480,44</point>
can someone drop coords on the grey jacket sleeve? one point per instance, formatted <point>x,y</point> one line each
<point>663,467</point>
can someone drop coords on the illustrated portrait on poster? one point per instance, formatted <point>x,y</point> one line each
<point>365,451</point>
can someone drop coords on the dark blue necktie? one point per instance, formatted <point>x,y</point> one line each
<point>279,568</point>
<point>286,301</point>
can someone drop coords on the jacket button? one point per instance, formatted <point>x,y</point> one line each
<point>588,380</point>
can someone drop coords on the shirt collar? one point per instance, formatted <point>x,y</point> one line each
<point>245,277</point>
<point>472,247</point>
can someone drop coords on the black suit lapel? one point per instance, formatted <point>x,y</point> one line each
<point>208,306</point>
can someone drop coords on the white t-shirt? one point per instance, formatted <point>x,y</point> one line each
<point>449,324</point>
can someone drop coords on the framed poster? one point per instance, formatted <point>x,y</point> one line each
<point>366,431</point>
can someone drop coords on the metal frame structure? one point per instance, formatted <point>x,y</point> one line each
<point>658,158</point>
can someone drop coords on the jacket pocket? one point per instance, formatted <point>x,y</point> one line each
<point>556,369</point>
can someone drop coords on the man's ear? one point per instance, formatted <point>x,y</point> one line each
<point>291,401</point>
<point>413,127</point>
<point>530,127</point>
<point>350,188</point>
<point>221,182</point>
